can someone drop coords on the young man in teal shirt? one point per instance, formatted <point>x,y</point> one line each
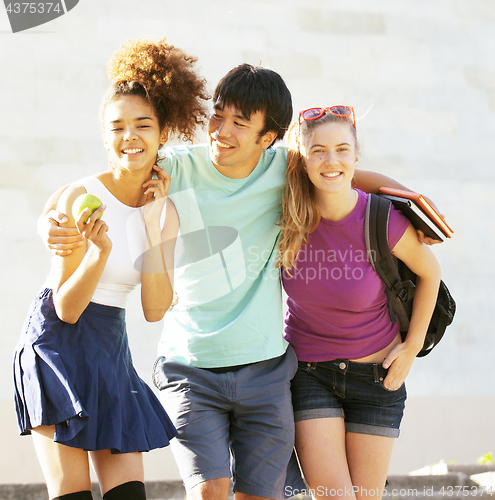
<point>224,369</point>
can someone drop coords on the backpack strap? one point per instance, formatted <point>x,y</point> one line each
<point>375,232</point>
<point>379,254</point>
<point>378,212</point>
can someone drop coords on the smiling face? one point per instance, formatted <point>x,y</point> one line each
<point>330,157</point>
<point>132,133</point>
<point>235,143</point>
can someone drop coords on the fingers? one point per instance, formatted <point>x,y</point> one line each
<point>61,253</point>
<point>399,363</point>
<point>65,248</point>
<point>392,383</point>
<point>95,231</point>
<point>96,214</point>
<point>57,234</point>
<point>62,240</point>
<point>94,221</point>
<point>155,191</point>
<point>431,241</point>
<point>161,173</point>
<point>98,230</point>
<point>158,187</point>
<point>422,238</point>
<point>393,380</point>
<point>389,359</point>
<point>55,217</point>
<point>80,224</point>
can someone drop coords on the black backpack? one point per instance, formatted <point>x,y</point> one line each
<point>399,279</point>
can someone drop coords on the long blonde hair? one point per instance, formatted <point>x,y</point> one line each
<point>300,213</point>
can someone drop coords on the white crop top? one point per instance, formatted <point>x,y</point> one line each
<point>126,230</point>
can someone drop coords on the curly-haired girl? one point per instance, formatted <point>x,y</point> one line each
<point>77,391</point>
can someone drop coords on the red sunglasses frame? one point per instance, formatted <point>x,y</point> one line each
<point>329,109</point>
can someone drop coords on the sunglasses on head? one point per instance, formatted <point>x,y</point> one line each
<point>315,113</point>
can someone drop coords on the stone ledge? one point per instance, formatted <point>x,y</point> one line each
<point>436,482</point>
<point>470,469</point>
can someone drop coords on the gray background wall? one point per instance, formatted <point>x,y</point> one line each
<point>421,76</point>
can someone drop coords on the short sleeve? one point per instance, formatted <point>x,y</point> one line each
<point>166,159</point>
<point>397,225</point>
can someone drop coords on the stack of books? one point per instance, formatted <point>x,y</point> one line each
<point>422,215</point>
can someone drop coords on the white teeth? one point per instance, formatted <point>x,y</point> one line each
<point>222,145</point>
<point>331,174</point>
<point>132,151</point>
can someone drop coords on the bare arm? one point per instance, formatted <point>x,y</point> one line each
<point>57,236</point>
<point>371,182</point>
<point>75,276</point>
<point>420,259</point>
<point>157,275</point>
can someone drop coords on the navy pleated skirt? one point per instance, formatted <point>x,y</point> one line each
<point>81,379</point>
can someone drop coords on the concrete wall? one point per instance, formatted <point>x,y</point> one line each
<point>421,76</point>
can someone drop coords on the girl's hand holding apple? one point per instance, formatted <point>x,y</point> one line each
<point>94,229</point>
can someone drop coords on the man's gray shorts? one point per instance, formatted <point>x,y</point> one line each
<point>247,411</point>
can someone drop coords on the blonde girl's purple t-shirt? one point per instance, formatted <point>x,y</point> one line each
<point>337,306</point>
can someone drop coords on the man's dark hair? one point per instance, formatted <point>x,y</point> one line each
<point>254,88</point>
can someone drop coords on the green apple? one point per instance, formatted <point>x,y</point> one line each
<point>83,201</point>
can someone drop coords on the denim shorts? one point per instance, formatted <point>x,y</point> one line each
<point>353,391</point>
<point>237,422</point>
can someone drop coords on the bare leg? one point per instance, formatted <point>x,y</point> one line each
<point>116,469</point>
<point>243,496</point>
<point>368,458</point>
<point>213,489</point>
<point>66,469</point>
<point>321,449</point>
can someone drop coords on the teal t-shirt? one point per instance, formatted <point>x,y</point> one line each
<point>229,310</point>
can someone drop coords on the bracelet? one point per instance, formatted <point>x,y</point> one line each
<point>174,301</point>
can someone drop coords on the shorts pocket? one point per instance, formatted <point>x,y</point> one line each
<point>390,390</point>
<point>382,373</point>
<point>157,374</point>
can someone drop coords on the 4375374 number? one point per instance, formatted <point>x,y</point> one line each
<point>34,7</point>
<point>465,491</point>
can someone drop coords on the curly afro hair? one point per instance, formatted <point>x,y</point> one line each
<point>164,76</point>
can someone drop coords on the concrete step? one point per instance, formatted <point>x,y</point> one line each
<point>451,486</point>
